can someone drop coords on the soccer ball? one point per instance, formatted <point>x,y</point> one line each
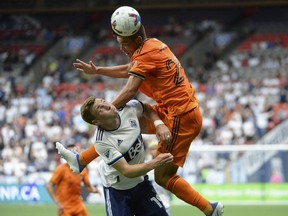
<point>125,21</point>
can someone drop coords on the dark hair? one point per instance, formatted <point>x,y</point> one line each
<point>86,110</point>
<point>141,32</point>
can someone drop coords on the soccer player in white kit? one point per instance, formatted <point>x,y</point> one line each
<point>119,143</point>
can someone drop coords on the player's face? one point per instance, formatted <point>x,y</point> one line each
<point>102,109</point>
<point>128,45</point>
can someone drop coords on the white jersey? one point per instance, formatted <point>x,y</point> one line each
<point>124,142</point>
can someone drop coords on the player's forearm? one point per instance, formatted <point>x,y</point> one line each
<point>150,113</point>
<point>120,71</point>
<point>124,96</point>
<point>50,190</point>
<point>90,188</point>
<point>137,170</point>
<point>128,92</point>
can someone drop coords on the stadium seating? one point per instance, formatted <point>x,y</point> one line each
<point>239,105</point>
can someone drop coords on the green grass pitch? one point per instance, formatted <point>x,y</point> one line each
<point>177,210</point>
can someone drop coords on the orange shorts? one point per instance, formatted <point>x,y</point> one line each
<point>184,128</point>
<point>69,212</point>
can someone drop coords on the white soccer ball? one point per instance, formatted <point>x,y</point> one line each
<point>125,21</point>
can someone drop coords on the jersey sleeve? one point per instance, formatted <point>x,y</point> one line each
<point>141,66</point>
<point>108,152</point>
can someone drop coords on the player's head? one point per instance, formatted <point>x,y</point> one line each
<point>127,26</point>
<point>97,111</point>
<point>70,144</point>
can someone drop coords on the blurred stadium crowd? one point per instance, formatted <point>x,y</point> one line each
<point>238,63</point>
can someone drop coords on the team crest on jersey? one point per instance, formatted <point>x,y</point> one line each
<point>133,123</point>
<point>134,64</point>
<point>119,142</point>
<point>107,153</point>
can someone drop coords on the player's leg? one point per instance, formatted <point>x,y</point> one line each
<point>116,202</point>
<point>82,212</point>
<point>167,178</point>
<point>75,160</point>
<point>67,212</point>
<point>88,155</point>
<point>146,201</point>
<point>184,130</point>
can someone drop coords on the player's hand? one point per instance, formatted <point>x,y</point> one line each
<point>60,208</point>
<point>163,133</point>
<point>163,159</point>
<point>96,190</point>
<point>84,67</point>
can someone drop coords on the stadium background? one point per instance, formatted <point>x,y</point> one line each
<point>234,52</point>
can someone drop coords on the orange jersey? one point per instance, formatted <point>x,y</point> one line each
<point>164,79</point>
<point>68,187</point>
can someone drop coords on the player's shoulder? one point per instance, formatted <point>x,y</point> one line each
<point>61,168</point>
<point>152,43</point>
<point>149,45</point>
<point>65,166</point>
<point>134,104</point>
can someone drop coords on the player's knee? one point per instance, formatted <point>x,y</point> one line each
<point>162,176</point>
<point>161,180</point>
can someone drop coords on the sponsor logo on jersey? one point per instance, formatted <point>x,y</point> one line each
<point>134,150</point>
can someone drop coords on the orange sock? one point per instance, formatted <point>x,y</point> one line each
<point>183,190</point>
<point>88,155</point>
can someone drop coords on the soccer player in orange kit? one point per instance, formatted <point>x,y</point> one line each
<point>156,72</point>
<point>64,187</point>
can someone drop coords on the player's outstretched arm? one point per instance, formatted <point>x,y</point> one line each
<point>90,188</point>
<point>51,190</point>
<point>135,170</point>
<point>120,71</point>
<point>162,131</point>
<point>128,92</point>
